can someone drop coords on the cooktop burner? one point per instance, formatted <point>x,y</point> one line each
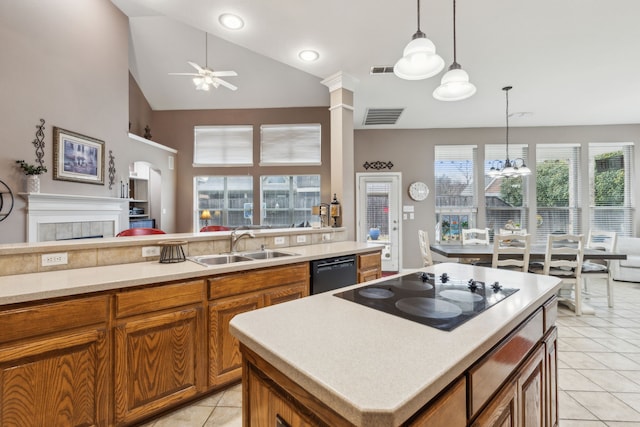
<point>441,302</point>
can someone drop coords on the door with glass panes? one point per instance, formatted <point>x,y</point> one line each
<point>378,214</point>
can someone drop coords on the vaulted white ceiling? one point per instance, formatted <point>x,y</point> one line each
<point>571,62</point>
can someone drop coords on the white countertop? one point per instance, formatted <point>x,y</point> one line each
<point>376,369</point>
<point>37,286</point>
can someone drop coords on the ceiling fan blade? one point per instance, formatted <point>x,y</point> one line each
<point>196,66</point>
<point>224,73</point>
<point>225,84</point>
<point>183,74</point>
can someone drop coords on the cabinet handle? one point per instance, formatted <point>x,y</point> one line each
<point>280,422</point>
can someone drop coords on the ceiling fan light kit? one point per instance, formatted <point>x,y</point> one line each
<point>205,77</point>
<point>419,58</point>
<point>455,85</point>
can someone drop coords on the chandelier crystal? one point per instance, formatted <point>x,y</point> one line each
<point>508,168</point>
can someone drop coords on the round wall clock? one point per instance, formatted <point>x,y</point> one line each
<point>418,191</point>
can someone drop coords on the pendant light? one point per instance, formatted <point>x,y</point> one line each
<point>419,59</point>
<point>508,168</point>
<point>455,85</point>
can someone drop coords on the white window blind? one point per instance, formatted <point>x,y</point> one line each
<point>223,146</point>
<point>296,144</point>
<point>558,183</point>
<point>455,192</point>
<point>610,193</point>
<point>505,198</point>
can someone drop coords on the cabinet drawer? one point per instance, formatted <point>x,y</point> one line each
<point>369,261</point>
<point>449,409</point>
<point>493,369</point>
<point>140,301</point>
<point>42,319</point>
<point>255,280</point>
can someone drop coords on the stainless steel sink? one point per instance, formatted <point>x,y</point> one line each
<point>267,254</point>
<point>208,260</point>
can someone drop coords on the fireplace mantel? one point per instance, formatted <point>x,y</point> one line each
<point>44,208</point>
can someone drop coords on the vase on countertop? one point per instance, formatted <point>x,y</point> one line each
<point>33,183</point>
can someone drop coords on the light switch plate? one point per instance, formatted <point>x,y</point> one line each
<point>301,239</point>
<point>278,240</point>
<point>150,251</point>
<point>60,258</point>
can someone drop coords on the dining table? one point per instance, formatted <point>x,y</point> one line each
<point>484,253</point>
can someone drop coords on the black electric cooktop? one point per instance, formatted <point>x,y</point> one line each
<point>442,302</point>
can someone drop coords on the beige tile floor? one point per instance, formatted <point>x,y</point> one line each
<point>599,369</point>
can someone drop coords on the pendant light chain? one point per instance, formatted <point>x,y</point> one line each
<point>418,1</point>
<point>454,32</point>
<point>506,91</point>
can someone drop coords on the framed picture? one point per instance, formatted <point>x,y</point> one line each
<point>77,157</point>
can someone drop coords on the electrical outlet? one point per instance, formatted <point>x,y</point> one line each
<point>326,237</point>
<point>279,240</point>
<point>301,239</point>
<point>150,251</point>
<point>60,258</point>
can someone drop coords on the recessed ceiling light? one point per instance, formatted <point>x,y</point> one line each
<point>230,21</point>
<point>308,55</point>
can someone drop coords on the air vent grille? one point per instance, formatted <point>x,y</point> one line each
<point>381,70</point>
<point>382,116</point>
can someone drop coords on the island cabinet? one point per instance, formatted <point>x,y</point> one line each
<point>236,293</point>
<point>160,359</point>
<point>54,360</point>
<point>369,266</point>
<point>513,384</point>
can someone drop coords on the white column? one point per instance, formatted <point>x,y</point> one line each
<point>341,88</point>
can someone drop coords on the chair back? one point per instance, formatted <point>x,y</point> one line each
<point>423,241</point>
<point>139,232</point>
<point>563,260</point>
<point>511,251</point>
<point>521,231</point>
<point>214,228</point>
<point>475,236</point>
<point>605,240</point>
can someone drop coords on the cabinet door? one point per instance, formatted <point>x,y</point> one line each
<point>502,410</point>
<point>551,386</point>
<point>59,380</point>
<point>225,361</point>
<point>531,390</point>
<point>369,267</point>
<point>158,362</point>
<point>286,293</point>
<point>449,409</point>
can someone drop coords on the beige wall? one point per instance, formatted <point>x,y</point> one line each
<point>65,61</point>
<point>412,153</point>
<point>175,129</point>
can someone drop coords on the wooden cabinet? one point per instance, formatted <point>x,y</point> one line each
<point>502,410</point>
<point>237,293</point>
<point>531,390</point>
<point>448,409</point>
<point>369,266</point>
<point>551,378</point>
<point>159,351</point>
<point>54,362</point>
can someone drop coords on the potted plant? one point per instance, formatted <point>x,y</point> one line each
<point>33,175</point>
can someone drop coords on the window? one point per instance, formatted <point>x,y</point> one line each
<point>223,146</point>
<point>297,144</point>
<point>505,198</point>
<point>287,200</point>
<point>229,200</point>
<point>557,189</point>
<point>455,193</point>
<point>610,204</point>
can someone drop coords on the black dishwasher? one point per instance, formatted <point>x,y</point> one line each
<point>333,273</point>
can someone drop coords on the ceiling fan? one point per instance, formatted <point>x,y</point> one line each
<point>205,76</point>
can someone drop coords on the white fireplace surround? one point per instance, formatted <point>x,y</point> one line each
<point>64,208</point>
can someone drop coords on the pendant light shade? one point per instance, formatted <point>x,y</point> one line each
<point>419,59</point>
<point>508,168</point>
<point>455,85</point>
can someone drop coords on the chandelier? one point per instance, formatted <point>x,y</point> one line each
<point>508,168</point>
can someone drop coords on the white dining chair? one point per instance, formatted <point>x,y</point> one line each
<point>521,231</point>
<point>423,241</point>
<point>511,251</point>
<point>599,269</point>
<point>475,236</point>
<point>563,259</point>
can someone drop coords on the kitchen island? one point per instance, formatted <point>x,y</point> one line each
<point>324,360</point>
